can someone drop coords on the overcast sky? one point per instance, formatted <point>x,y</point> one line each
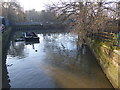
<point>35,4</point>
<point>40,4</point>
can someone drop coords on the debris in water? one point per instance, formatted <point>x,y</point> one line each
<point>9,65</point>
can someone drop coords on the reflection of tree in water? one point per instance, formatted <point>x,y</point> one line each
<point>17,49</point>
<point>59,54</point>
<point>58,49</point>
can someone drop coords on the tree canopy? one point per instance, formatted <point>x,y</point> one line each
<point>90,17</point>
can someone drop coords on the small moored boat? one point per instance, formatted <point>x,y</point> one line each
<point>31,37</point>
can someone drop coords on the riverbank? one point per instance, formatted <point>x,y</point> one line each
<point>5,37</point>
<point>5,45</point>
<point>107,58</point>
<point>0,59</point>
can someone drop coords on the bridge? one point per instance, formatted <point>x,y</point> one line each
<point>38,26</point>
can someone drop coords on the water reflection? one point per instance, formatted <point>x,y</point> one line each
<point>54,62</point>
<point>63,53</point>
<point>17,50</point>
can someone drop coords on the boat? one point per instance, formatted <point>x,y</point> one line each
<point>31,37</point>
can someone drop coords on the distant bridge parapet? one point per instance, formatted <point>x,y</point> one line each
<point>38,26</point>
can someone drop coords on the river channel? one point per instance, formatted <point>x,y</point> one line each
<point>54,62</point>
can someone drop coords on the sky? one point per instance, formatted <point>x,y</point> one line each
<point>39,5</point>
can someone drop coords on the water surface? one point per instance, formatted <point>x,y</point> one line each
<point>53,63</point>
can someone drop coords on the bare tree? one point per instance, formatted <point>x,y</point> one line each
<point>13,11</point>
<point>87,17</point>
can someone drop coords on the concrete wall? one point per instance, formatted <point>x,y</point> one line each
<point>5,45</point>
<point>108,60</point>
